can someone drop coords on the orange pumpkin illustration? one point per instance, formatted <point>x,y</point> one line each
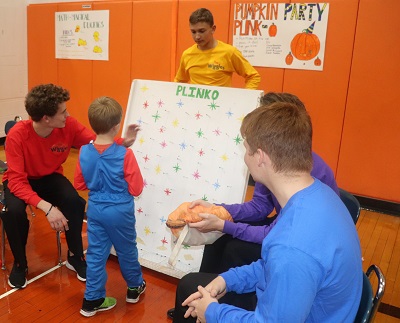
<point>317,62</point>
<point>306,45</point>
<point>272,30</point>
<point>289,59</point>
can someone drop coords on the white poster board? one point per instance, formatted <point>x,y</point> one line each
<point>189,147</point>
<point>283,35</point>
<point>82,34</point>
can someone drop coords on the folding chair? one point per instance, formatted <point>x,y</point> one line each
<point>369,302</point>
<point>351,203</point>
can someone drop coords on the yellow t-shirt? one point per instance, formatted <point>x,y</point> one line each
<point>215,67</point>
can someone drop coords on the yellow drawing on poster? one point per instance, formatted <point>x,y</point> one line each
<point>96,36</point>
<point>97,49</point>
<point>82,42</point>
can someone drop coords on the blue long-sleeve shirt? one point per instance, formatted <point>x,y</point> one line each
<point>263,203</point>
<point>310,268</point>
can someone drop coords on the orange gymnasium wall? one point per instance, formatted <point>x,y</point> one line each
<point>351,102</point>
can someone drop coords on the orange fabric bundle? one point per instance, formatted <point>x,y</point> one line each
<point>183,215</point>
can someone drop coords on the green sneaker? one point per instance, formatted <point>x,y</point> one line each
<point>90,308</point>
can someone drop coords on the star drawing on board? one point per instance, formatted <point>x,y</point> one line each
<point>162,129</point>
<point>156,116</point>
<point>146,105</point>
<point>213,106</point>
<point>139,121</point>
<point>175,123</point>
<point>147,231</point>
<point>201,152</point>
<point>216,185</point>
<point>177,168</point>
<point>163,144</point>
<point>179,104</point>
<point>224,157</point>
<point>199,133</point>
<point>164,241</point>
<point>167,191</point>
<point>229,114</point>
<point>141,140</point>
<point>144,183</point>
<point>144,88</point>
<point>241,118</point>
<point>139,210</point>
<point>217,132</point>
<point>237,140</point>
<point>146,159</point>
<point>204,198</point>
<point>196,174</point>
<point>198,115</point>
<point>163,220</point>
<point>158,169</point>
<point>160,103</point>
<point>183,145</point>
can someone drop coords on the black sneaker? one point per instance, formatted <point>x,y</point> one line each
<point>17,277</point>
<point>133,293</point>
<point>90,308</point>
<point>77,264</point>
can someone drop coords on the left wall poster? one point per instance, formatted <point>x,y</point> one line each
<point>82,34</point>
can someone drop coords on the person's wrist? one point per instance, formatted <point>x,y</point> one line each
<point>48,212</point>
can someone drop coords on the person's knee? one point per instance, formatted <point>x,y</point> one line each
<point>14,212</point>
<point>73,207</point>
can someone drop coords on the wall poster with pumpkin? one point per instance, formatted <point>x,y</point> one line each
<point>282,35</point>
<point>189,147</point>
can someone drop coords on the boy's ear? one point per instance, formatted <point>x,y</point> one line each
<point>263,157</point>
<point>213,28</point>
<point>116,127</point>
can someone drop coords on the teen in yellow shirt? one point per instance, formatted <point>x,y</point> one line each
<point>212,62</point>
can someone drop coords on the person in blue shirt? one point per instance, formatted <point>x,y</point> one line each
<point>310,268</point>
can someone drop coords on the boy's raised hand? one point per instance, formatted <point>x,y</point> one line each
<point>130,135</point>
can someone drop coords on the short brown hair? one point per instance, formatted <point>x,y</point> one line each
<point>104,113</point>
<point>284,132</point>
<point>272,97</point>
<point>201,15</point>
<point>44,99</point>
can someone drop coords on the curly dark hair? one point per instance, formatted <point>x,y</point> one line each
<point>43,100</point>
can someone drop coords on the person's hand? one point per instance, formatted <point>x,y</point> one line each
<point>57,220</point>
<point>200,202</point>
<point>200,304</point>
<point>191,310</point>
<point>130,135</point>
<point>216,289</point>
<point>209,223</point>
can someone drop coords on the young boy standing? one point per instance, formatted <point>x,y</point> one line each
<point>112,175</point>
<point>210,61</point>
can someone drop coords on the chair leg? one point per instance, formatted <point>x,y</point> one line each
<point>58,237</point>
<point>3,247</point>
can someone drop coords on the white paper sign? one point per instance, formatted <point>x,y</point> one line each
<point>189,147</point>
<point>82,34</point>
<point>283,35</point>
